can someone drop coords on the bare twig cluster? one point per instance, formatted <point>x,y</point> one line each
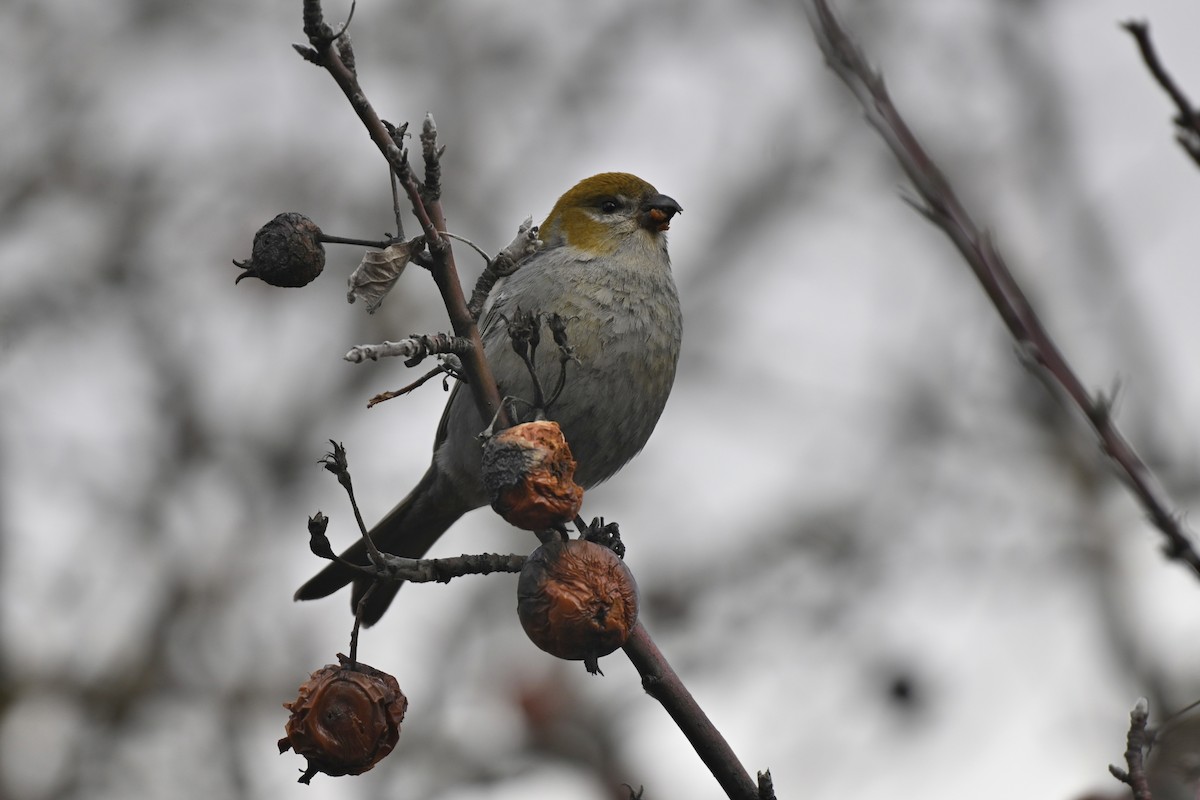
<point>388,567</point>
<point>332,51</point>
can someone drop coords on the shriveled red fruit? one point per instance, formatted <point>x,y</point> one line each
<point>529,474</point>
<point>577,600</point>
<point>344,720</point>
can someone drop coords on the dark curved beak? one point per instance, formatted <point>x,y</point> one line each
<point>657,211</point>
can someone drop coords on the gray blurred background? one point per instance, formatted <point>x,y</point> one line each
<point>881,555</point>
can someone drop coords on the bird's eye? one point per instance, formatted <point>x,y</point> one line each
<point>609,206</point>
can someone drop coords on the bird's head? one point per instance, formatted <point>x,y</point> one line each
<point>600,214</point>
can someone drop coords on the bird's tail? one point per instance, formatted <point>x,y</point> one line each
<point>408,530</point>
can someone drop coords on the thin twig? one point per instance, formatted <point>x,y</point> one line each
<point>358,613</point>
<point>381,244</point>
<point>1177,716</point>
<point>337,463</point>
<point>396,204</point>
<point>418,383</point>
<point>388,567</point>
<point>940,205</point>
<point>442,570</point>
<point>467,242</point>
<point>415,349</point>
<point>1187,123</point>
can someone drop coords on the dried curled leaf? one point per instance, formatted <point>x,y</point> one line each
<point>377,273</point>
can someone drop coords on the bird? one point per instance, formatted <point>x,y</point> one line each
<point>603,267</point>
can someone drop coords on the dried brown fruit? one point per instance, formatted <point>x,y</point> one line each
<point>344,720</point>
<point>287,252</point>
<point>577,600</point>
<point>529,474</point>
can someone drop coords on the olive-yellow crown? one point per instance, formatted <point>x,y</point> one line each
<point>597,213</point>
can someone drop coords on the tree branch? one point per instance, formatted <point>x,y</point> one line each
<point>326,52</point>
<point>940,205</point>
<point>661,683</point>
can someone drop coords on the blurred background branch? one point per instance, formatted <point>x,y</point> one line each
<point>1187,123</point>
<point>939,204</point>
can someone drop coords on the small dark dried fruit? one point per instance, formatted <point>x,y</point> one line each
<point>287,252</point>
<point>577,600</point>
<point>529,474</point>
<point>344,720</point>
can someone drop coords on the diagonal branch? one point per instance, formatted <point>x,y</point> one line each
<point>941,206</point>
<point>661,683</point>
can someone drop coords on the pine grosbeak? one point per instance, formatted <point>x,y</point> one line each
<point>604,268</point>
